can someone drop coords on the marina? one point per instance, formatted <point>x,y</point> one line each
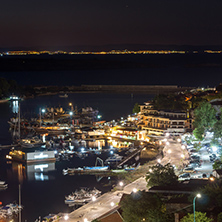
<point>74,149</point>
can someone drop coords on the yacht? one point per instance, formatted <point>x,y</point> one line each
<point>63,96</point>
<point>3,185</point>
<point>31,142</point>
<point>115,158</point>
<point>83,195</point>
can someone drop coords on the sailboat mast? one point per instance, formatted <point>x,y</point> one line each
<point>20,206</point>
<point>19,124</point>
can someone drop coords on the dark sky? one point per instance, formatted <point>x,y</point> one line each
<point>28,23</point>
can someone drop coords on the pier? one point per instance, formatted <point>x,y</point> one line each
<point>8,146</point>
<point>130,157</point>
<point>140,148</point>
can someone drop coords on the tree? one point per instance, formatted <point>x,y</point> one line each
<point>170,102</point>
<point>219,217</point>
<point>217,128</point>
<point>199,217</point>
<point>199,133</point>
<point>196,101</point>
<point>136,108</point>
<point>204,119</point>
<point>160,175</point>
<point>211,198</point>
<point>141,206</point>
<point>217,165</point>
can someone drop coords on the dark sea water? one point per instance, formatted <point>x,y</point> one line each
<point>196,70</point>
<point>43,192</point>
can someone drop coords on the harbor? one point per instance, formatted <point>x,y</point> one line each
<point>75,148</point>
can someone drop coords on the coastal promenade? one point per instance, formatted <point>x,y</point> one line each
<point>108,202</point>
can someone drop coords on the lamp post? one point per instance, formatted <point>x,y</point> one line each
<point>71,113</point>
<point>199,196</point>
<point>40,115</point>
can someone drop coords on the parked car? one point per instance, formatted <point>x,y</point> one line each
<point>193,151</point>
<point>194,157</point>
<point>184,176</point>
<point>207,144</point>
<point>189,170</point>
<point>209,150</point>
<point>212,157</point>
<point>195,162</point>
<point>194,165</point>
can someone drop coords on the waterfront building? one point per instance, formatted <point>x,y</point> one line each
<point>159,122</point>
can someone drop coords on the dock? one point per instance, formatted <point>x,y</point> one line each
<point>2,147</point>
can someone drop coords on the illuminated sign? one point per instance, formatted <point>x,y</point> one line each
<point>41,156</point>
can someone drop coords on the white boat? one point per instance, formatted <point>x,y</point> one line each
<point>97,168</point>
<point>2,182</point>
<point>64,96</point>
<point>115,158</point>
<point>3,185</point>
<point>9,210</point>
<point>31,142</point>
<point>84,195</point>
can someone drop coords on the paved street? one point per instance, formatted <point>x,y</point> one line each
<point>104,203</point>
<point>175,154</point>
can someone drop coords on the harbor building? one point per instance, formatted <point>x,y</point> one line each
<point>160,122</point>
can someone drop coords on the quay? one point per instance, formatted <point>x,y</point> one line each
<point>8,146</point>
<point>104,204</point>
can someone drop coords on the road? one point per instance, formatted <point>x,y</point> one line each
<point>105,203</point>
<point>174,153</point>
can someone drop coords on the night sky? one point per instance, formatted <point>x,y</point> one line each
<point>58,23</point>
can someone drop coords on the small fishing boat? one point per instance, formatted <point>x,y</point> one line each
<point>64,96</point>
<point>97,168</point>
<point>84,195</point>
<point>3,185</point>
<point>31,142</point>
<point>115,158</point>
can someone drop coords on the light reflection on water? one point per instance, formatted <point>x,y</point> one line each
<point>15,106</point>
<point>44,188</point>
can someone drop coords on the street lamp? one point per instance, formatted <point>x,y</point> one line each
<point>112,204</point>
<point>71,113</point>
<point>40,115</point>
<point>66,217</point>
<point>134,190</point>
<point>199,196</point>
<point>121,183</point>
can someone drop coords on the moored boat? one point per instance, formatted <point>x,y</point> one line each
<point>97,168</point>
<point>3,185</point>
<point>31,142</point>
<point>83,195</point>
<point>115,158</point>
<point>64,96</point>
